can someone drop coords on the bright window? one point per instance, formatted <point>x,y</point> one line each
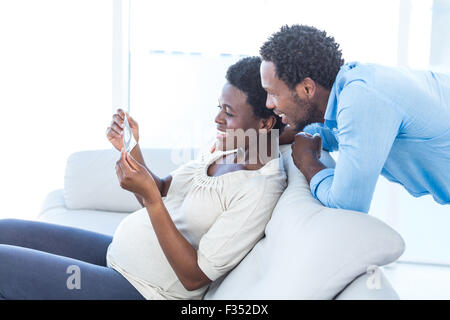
<point>55,84</point>
<point>180,51</point>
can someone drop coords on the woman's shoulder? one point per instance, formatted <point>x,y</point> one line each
<point>271,178</point>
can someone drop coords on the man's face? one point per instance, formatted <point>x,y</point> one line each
<point>292,105</point>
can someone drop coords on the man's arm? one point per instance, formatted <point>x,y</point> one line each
<point>329,140</point>
<point>368,125</point>
<point>163,184</point>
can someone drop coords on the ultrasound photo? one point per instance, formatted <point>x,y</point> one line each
<point>128,139</point>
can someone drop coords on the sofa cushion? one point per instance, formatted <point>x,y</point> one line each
<point>309,251</point>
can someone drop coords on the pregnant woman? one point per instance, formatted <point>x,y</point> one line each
<point>195,225</point>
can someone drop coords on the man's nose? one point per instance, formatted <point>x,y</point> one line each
<point>269,103</point>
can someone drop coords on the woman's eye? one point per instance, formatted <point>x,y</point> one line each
<point>227,113</point>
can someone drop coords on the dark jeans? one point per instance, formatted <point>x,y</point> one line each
<point>47,261</point>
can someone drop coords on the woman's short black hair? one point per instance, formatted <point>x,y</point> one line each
<point>245,75</point>
<point>300,51</point>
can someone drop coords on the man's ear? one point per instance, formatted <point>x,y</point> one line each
<point>268,123</point>
<point>306,89</point>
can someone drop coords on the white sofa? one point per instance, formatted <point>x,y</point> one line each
<point>309,251</point>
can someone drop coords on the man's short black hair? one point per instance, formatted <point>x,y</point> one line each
<point>245,75</point>
<point>300,51</point>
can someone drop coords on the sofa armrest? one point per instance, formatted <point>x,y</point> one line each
<point>55,199</point>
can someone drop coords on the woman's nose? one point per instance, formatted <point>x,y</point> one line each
<point>219,119</point>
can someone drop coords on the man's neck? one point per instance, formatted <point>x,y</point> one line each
<point>322,102</point>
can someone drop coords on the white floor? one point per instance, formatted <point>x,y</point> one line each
<point>419,281</point>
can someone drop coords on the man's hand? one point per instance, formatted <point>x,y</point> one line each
<point>306,147</point>
<point>134,177</point>
<point>114,132</point>
<point>306,151</point>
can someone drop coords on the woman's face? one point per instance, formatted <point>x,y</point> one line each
<point>234,113</point>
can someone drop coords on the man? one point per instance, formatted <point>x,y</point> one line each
<point>389,121</point>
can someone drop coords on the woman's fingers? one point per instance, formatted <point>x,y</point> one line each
<point>111,133</point>
<point>130,119</point>
<point>133,123</point>
<point>121,113</point>
<point>116,128</point>
<point>119,170</point>
<point>117,119</point>
<point>132,163</point>
<point>124,162</point>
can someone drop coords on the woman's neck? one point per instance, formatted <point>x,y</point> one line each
<point>267,149</point>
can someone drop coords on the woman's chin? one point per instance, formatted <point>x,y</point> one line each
<point>221,145</point>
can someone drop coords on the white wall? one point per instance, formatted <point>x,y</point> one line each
<point>55,93</point>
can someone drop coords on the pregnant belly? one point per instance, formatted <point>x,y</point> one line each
<point>135,249</point>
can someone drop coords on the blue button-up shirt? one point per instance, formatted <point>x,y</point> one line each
<point>389,121</point>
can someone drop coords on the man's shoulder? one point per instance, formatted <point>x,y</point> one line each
<point>364,72</point>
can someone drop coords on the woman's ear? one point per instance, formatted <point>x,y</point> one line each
<point>268,123</point>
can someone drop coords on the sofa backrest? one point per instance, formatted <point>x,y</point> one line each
<point>91,182</point>
<point>309,251</point>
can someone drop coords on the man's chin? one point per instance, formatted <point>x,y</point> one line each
<point>296,126</point>
<point>299,126</point>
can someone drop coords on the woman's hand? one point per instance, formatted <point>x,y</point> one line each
<point>114,132</point>
<point>134,177</point>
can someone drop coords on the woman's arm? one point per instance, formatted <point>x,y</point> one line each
<point>181,255</point>
<point>178,251</point>
<point>163,184</point>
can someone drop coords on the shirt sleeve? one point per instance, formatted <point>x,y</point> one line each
<point>367,127</point>
<point>329,140</point>
<point>238,228</point>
